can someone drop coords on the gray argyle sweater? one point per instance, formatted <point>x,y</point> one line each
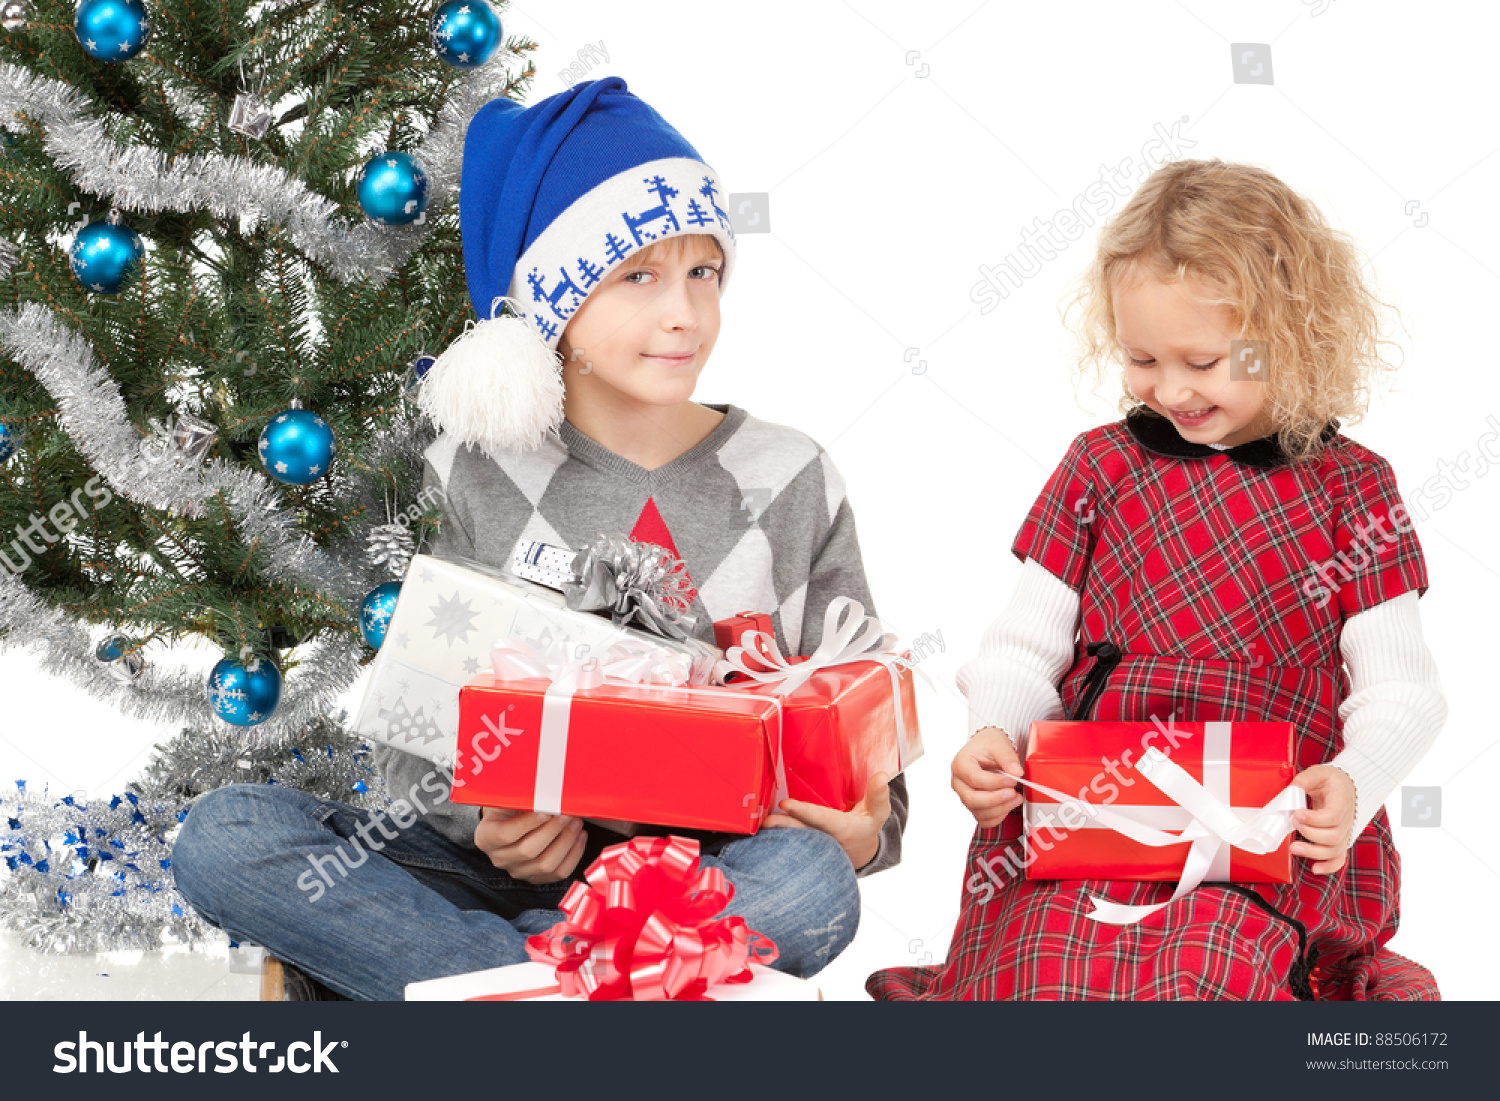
<point>756,510</point>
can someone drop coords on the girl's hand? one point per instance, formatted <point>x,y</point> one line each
<point>857,831</point>
<point>984,773</point>
<point>1328,820</point>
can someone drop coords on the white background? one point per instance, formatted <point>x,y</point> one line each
<point>888,189</point>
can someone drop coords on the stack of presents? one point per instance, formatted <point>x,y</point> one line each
<point>571,683</point>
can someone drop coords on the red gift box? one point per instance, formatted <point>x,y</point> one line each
<point>686,756</point>
<point>839,726</point>
<point>838,729</point>
<point>1242,765</point>
<point>730,632</point>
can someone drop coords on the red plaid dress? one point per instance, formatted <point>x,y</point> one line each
<point>1199,565</point>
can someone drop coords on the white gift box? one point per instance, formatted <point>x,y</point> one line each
<point>769,985</point>
<point>449,615</point>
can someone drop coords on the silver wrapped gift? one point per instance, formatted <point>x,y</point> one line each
<point>250,116</point>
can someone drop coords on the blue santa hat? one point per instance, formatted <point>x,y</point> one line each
<point>553,197</point>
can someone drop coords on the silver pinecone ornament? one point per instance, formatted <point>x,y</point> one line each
<point>390,546</point>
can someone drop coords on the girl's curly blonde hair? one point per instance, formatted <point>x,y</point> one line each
<point>1287,276</point>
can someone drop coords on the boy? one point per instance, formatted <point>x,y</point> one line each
<point>590,210</point>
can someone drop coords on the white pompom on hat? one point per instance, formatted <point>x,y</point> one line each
<point>498,386</point>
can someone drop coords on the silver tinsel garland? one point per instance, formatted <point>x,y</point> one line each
<point>95,875</point>
<point>90,875</point>
<point>141,178</point>
<point>168,696</point>
<point>92,412</point>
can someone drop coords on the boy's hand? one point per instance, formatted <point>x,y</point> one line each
<point>538,848</point>
<point>984,773</point>
<point>857,831</point>
<point>1328,820</point>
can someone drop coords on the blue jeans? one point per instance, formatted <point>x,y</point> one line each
<point>278,867</point>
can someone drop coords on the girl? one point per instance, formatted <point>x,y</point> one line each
<point>1217,554</point>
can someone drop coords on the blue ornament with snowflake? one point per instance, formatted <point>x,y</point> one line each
<point>297,447</point>
<point>106,255</point>
<point>244,693</point>
<point>112,30</point>
<point>465,33</point>
<point>393,189</point>
<point>375,612</point>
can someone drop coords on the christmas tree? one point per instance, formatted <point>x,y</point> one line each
<point>228,236</point>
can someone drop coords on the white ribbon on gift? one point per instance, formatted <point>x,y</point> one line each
<point>570,669</point>
<point>859,637</point>
<point>1213,827</point>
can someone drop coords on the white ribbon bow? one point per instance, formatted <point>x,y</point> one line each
<point>859,637</point>
<point>1213,826</point>
<point>570,669</point>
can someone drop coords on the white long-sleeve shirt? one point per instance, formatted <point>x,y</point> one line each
<point>1392,716</point>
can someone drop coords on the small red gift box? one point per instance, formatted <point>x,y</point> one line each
<point>686,756</point>
<point>730,632</point>
<point>1241,765</point>
<point>840,726</point>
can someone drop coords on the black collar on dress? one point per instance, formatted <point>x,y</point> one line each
<point>1159,435</point>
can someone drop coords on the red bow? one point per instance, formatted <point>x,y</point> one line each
<point>639,927</point>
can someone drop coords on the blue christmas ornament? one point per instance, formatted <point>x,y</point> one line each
<point>10,441</point>
<point>393,189</point>
<point>244,696</point>
<point>106,256</point>
<point>465,33</point>
<point>416,371</point>
<point>112,30</point>
<point>297,447</point>
<point>375,612</point>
